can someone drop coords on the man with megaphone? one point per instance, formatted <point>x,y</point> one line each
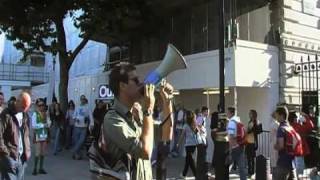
<point>126,140</point>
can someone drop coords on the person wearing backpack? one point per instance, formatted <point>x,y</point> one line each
<point>303,125</point>
<point>236,134</point>
<point>128,144</point>
<point>285,169</point>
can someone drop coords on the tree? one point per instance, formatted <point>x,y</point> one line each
<point>37,25</point>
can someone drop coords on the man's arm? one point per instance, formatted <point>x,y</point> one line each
<point>279,144</point>
<point>147,128</point>
<point>280,140</point>
<point>166,91</point>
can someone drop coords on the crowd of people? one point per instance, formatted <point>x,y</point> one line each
<point>123,139</point>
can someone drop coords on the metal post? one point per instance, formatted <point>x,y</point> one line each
<point>221,55</point>
<point>302,82</point>
<point>309,73</point>
<point>317,85</point>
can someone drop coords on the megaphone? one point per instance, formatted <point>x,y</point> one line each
<point>172,61</point>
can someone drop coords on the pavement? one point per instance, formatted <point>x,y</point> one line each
<point>63,167</point>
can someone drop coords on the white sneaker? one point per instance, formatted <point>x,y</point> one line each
<point>182,176</point>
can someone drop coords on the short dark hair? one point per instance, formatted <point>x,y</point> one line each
<point>292,116</point>
<point>204,108</point>
<point>232,110</point>
<point>282,111</point>
<point>119,74</point>
<point>254,113</point>
<point>1,94</point>
<point>40,100</point>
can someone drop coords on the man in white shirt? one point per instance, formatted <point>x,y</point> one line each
<point>83,120</point>
<point>236,149</point>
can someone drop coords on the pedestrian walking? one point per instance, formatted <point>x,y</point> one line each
<point>190,134</point>
<point>236,136</point>
<point>285,169</point>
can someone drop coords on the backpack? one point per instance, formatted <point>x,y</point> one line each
<point>241,133</point>
<point>105,164</point>
<point>293,142</point>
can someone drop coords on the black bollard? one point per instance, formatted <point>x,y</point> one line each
<point>263,168</point>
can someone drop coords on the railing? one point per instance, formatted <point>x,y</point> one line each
<point>264,141</point>
<point>13,72</point>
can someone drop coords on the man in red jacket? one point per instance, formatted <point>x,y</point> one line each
<point>303,126</point>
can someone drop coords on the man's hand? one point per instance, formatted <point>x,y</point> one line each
<point>149,98</point>
<point>166,90</point>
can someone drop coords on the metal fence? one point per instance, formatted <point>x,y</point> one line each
<point>13,72</point>
<point>264,140</point>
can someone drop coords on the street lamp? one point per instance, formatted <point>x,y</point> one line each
<point>221,56</point>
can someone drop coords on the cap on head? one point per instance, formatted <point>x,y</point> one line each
<point>25,101</point>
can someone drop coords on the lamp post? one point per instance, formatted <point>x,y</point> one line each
<point>221,56</point>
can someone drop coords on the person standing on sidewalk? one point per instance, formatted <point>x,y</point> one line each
<point>254,128</point>
<point>59,127</point>
<point>70,124</point>
<point>40,126</point>
<point>83,120</point>
<point>202,166</point>
<point>236,149</point>
<point>14,138</point>
<point>130,143</point>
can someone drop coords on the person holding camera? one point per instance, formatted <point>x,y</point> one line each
<point>40,126</point>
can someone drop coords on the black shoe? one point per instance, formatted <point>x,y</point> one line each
<point>42,171</point>
<point>34,172</point>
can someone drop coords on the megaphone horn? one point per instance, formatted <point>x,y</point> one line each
<point>172,61</point>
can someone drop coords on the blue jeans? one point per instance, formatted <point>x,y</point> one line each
<point>69,140</point>
<point>57,145</point>
<point>11,169</point>
<point>79,137</point>
<point>239,158</point>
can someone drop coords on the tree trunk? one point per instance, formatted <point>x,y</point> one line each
<point>63,85</point>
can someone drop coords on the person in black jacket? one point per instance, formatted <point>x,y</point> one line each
<point>254,128</point>
<point>98,115</point>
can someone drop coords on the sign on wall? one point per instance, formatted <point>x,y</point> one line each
<point>105,92</point>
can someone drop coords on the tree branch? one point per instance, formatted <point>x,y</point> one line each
<point>79,48</point>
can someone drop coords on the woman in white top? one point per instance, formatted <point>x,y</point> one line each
<point>189,132</point>
<point>40,126</point>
